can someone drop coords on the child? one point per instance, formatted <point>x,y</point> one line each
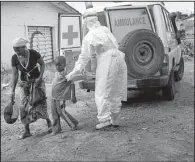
<point>62,91</point>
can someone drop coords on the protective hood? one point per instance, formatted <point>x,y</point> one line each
<point>90,20</point>
<point>89,13</point>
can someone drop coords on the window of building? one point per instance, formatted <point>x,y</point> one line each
<point>41,40</point>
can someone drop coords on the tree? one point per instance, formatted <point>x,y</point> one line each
<point>181,15</point>
<point>191,15</point>
<point>178,13</point>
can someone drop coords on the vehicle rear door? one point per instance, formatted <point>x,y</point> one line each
<point>125,19</point>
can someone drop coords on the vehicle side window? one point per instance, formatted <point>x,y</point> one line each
<point>172,26</point>
<point>152,14</point>
<point>166,20</point>
<point>168,23</point>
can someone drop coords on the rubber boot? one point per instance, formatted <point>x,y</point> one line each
<point>103,125</point>
<point>115,119</point>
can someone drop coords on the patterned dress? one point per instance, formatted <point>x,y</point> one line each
<point>28,73</point>
<point>29,113</point>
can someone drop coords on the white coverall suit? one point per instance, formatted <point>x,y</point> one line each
<point>111,72</point>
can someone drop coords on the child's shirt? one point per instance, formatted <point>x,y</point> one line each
<point>61,89</point>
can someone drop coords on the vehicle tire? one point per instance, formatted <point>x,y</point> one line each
<point>180,72</point>
<point>168,92</point>
<point>144,53</point>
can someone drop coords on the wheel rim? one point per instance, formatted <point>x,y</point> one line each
<point>143,53</point>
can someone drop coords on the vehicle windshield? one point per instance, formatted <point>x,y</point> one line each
<point>125,20</point>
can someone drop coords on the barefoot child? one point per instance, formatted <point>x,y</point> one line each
<point>61,91</point>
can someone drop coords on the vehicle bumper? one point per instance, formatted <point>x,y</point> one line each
<point>134,84</point>
<point>157,82</point>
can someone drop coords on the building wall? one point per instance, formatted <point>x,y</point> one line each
<point>17,16</point>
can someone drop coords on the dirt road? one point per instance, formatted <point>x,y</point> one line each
<point>151,130</point>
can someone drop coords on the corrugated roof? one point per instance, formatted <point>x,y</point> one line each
<point>65,7</point>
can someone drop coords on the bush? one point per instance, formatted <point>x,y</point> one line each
<point>5,73</point>
<point>188,47</point>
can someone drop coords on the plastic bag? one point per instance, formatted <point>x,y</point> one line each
<point>11,113</point>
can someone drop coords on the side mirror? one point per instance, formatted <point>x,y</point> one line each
<point>178,34</point>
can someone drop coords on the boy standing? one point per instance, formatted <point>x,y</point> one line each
<point>62,90</point>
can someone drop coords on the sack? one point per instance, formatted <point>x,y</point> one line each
<point>87,84</point>
<point>61,90</point>
<point>37,94</point>
<point>11,113</point>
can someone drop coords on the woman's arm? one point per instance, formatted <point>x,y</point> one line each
<point>14,81</point>
<point>14,78</point>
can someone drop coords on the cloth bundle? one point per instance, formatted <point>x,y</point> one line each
<point>11,113</point>
<point>37,94</point>
<point>61,88</point>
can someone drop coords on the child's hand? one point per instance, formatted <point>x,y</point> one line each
<point>74,99</point>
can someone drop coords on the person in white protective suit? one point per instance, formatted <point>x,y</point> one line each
<point>111,71</point>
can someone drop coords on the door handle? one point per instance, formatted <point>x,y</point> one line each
<point>74,58</point>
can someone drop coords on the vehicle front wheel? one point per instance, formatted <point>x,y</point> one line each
<point>168,92</point>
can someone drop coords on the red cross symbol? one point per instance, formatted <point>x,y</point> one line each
<point>70,35</point>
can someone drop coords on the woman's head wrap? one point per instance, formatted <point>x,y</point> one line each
<point>19,42</point>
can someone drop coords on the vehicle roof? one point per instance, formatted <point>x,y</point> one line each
<point>100,9</point>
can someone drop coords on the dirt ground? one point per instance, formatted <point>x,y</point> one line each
<point>151,130</point>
